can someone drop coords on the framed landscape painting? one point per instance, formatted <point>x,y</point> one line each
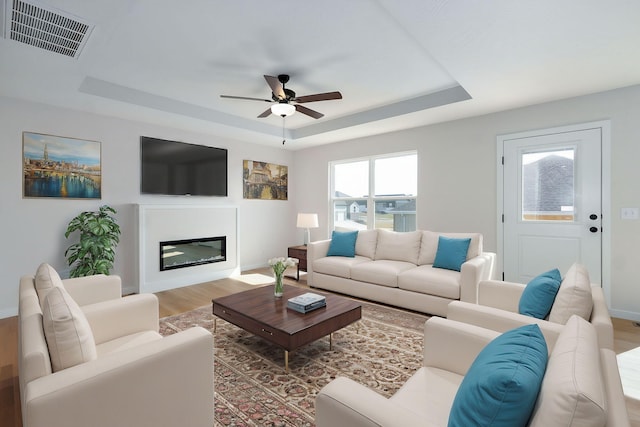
<point>59,167</point>
<point>265,181</point>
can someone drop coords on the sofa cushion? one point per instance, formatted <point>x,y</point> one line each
<point>574,296</point>
<point>127,342</point>
<point>343,243</point>
<point>573,391</point>
<point>502,384</point>
<point>69,337</point>
<point>398,246</point>
<point>383,272</point>
<point>46,279</point>
<point>452,253</point>
<point>429,393</point>
<point>338,266</point>
<point>427,280</point>
<point>538,296</point>
<point>366,243</point>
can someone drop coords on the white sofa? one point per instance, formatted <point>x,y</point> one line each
<point>132,376</point>
<point>498,304</point>
<point>397,269</point>
<point>581,384</point>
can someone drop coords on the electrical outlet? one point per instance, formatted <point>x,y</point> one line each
<point>629,213</point>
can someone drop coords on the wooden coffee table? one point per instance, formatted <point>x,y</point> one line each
<point>259,312</point>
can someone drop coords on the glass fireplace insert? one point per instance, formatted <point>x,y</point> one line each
<point>191,252</point>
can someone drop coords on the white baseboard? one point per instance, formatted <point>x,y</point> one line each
<point>623,314</point>
<point>165,285</point>
<point>8,312</point>
<point>254,266</point>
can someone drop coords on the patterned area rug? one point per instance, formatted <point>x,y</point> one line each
<point>252,388</point>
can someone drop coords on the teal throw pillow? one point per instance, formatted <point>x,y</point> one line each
<point>538,296</point>
<point>452,253</point>
<point>502,384</point>
<point>343,243</point>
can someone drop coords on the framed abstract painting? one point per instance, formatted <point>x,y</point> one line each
<point>60,167</point>
<point>264,181</point>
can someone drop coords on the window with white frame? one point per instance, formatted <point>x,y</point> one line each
<point>375,192</point>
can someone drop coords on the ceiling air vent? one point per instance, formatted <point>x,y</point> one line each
<point>46,28</point>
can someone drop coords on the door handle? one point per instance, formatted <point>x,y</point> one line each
<point>593,217</point>
<point>593,229</point>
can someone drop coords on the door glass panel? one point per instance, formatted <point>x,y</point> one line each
<point>548,190</point>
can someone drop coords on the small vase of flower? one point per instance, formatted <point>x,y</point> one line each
<point>279,265</point>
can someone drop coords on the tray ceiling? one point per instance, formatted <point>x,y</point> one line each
<point>397,64</point>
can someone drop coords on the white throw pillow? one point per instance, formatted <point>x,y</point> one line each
<point>69,336</point>
<point>428,247</point>
<point>366,243</point>
<point>573,297</point>
<point>397,246</point>
<point>46,279</point>
<point>573,391</point>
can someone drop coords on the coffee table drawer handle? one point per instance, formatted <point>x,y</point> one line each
<point>268,332</point>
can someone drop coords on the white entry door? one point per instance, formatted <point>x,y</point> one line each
<point>552,199</point>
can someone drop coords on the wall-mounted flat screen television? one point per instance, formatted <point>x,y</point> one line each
<point>178,168</point>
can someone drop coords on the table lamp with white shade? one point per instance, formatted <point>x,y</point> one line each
<point>307,221</point>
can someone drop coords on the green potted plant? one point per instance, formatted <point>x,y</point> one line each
<point>99,235</point>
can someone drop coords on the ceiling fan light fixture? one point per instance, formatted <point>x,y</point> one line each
<point>282,109</point>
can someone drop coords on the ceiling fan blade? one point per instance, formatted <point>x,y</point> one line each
<point>319,97</point>
<point>245,97</point>
<point>265,113</point>
<point>276,87</point>
<point>308,111</point>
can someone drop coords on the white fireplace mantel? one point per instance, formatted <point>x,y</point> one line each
<point>157,223</point>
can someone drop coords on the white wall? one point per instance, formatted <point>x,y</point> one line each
<point>457,184</point>
<point>32,230</point>
<point>457,175</point>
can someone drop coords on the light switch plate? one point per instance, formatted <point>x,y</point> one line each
<point>629,213</point>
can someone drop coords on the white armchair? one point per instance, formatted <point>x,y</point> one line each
<point>497,308</point>
<point>425,399</point>
<point>581,384</point>
<point>135,378</point>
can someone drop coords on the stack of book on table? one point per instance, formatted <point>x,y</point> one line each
<point>306,302</point>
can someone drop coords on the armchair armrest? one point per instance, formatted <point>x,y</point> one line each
<point>92,289</point>
<point>490,267</point>
<point>617,414</point>
<point>601,319</point>
<point>344,402</point>
<point>161,383</point>
<point>123,316</point>
<point>453,346</point>
<point>500,320</point>
<point>500,294</point>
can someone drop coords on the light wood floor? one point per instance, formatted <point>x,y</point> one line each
<point>627,336</point>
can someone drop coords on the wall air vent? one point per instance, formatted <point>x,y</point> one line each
<point>46,28</point>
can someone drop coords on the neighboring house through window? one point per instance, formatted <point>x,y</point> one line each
<point>548,186</point>
<point>375,192</point>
